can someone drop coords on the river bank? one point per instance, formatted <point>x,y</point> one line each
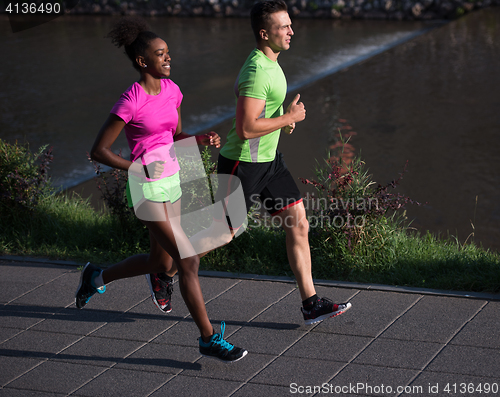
<point>335,9</point>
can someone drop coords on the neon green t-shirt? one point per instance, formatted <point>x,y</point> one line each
<point>259,78</point>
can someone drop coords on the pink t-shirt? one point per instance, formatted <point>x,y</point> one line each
<point>151,121</point>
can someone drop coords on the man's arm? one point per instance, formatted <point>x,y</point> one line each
<point>249,125</point>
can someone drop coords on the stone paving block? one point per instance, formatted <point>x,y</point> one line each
<point>246,300</point>
<point>330,347</point>
<point>253,390</point>
<point>10,291</point>
<point>74,321</point>
<point>467,360</point>
<point>120,295</point>
<point>398,353</point>
<point>13,367</point>
<point>136,327</point>
<point>240,371</point>
<point>42,272</point>
<point>212,287</point>
<point>483,330</point>
<point>370,314</point>
<point>302,371</point>
<point>286,313</point>
<point>25,316</point>
<point>121,382</point>
<point>372,380</point>
<point>433,319</point>
<point>15,283</point>
<point>56,377</point>
<point>26,393</point>
<point>169,359</point>
<point>59,292</point>
<point>187,386</point>
<point>7,333</point>
<point>93,351</point>
<point>35,344</point>
<point>265,340</point>
<point>432,384</point>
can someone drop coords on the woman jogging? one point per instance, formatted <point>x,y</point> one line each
<point>149,112</point>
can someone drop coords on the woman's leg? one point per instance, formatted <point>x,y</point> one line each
<point>169,235</point>
<point>157,261</point>
<point>166,235</point>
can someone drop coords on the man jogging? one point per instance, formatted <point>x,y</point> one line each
<point>251,154</point>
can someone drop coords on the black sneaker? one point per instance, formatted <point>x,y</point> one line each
<point>220,349</point>
<point>161,287</point>
<point>87,288</point>
<point>324,308</point>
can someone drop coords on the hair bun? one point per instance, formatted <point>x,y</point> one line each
<point>126,31</point>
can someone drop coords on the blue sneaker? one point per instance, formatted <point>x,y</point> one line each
<point>220,349</point>
<point>87,288</point>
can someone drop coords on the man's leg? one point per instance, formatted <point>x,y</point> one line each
<point>296,226</point>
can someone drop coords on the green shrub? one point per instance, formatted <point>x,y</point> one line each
<point>23,176</point>
<point>350,206</point>
<point>112,185</point>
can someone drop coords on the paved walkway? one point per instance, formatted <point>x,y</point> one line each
<point>392,342</point>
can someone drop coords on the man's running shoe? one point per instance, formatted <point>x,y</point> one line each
<point>161,287</point>
<point>87,288</point>
<point>324,308</point>
<point>220,349</point>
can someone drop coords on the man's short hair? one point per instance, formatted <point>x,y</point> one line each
<point>261,14</point>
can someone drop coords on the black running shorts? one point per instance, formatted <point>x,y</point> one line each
<point>270,183</point>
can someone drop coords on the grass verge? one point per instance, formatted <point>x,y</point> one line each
<point>68,228</point>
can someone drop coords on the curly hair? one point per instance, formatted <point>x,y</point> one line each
<point>134,36</point>
<point>261,14</point>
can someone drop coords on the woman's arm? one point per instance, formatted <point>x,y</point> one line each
<point>101,150</point>
<point>210,139</point>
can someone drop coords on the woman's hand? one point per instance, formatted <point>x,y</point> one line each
<point>289,128</point>
<point>210,139</point>
<point>154,170</point>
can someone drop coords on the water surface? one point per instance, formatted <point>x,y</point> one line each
<point>59,80</point>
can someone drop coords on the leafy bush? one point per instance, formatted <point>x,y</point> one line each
<point>353,220</point>
<point>23,175</point>
<point>112,186</point>
<point>349,202</point>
